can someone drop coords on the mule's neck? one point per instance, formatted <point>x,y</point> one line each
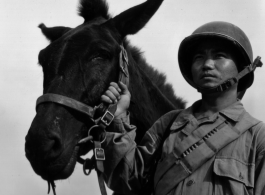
<point>148,103</point>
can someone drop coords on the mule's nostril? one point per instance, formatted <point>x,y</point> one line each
<point>53,146</point>
<point>49,146</point>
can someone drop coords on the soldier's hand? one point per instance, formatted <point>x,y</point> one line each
<point>117,93</point>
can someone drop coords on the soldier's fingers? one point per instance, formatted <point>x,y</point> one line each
<point>116,86</point>
<point>111,95</point>
<point>114,91</point>
<point>106,99</point>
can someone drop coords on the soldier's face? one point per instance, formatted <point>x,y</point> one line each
<point>213,63</point>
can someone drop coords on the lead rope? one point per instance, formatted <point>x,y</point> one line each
<point>96,162</point>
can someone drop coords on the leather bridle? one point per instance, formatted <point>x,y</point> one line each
<point>101,115</point>
<point>79,106</point>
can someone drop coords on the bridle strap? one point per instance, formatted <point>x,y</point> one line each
<point>124,63</point>
<point>66,101</point>
<point>98,151</point>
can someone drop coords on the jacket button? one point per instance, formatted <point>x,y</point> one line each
<point>189,183</point>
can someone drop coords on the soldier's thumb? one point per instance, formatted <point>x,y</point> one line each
<point>123,86</point>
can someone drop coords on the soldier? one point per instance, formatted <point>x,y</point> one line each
<point>212,147</point>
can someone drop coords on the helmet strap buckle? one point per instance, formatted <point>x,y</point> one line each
<point>230,82</point>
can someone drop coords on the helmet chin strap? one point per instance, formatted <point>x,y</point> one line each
<point>230,82</point>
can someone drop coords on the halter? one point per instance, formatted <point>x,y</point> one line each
<point>102,116</point>
<point>81,107</point>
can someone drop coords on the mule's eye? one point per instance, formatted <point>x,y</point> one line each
<point>96,58</point>
<point>99,56</point>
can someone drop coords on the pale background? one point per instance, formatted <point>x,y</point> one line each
<point>21,76</point>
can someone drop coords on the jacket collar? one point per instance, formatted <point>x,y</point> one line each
<point>233,112</point>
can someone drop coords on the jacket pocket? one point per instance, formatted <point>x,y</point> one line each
<point>233,176</point>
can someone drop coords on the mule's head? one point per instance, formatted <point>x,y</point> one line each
<point>79,63</point>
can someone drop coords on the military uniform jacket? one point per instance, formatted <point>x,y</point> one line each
<point>237,168</point>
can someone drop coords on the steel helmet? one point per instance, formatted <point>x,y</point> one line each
<point>217,30</point>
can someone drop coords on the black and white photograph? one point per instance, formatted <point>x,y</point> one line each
<point>152,97</point>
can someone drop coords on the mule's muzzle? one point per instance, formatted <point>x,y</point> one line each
<point>46,148</point>
<point>43,153</point>
<point>50,149</point>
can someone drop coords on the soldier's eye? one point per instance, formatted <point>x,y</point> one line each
<point>221,55</point>
<point>197,57</point>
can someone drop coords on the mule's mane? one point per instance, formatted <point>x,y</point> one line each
<point>90,9</point>
<point>158,78</point>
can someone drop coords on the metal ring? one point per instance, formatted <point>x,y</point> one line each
<point>84,169</point>
<point>92,136</point>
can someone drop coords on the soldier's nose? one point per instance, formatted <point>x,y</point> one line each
<point>209,64</point>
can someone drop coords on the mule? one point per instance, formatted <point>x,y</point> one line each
<point>79,63</point>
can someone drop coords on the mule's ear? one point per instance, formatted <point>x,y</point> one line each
<point>91,9</point>
<point>53,33</point>
<point>135,18</point>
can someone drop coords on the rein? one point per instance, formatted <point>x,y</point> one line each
<point>102,116</point>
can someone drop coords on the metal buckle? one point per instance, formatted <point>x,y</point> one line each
<point>228,84</point>
<point>99,154</point>
<point>224,86</point>
<point>104,118</point>
<point>219,88</point>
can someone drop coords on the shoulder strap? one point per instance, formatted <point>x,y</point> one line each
<point>149,187</point>
<point>198,150</point>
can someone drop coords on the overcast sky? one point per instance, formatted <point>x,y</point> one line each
<point>21,77</point>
